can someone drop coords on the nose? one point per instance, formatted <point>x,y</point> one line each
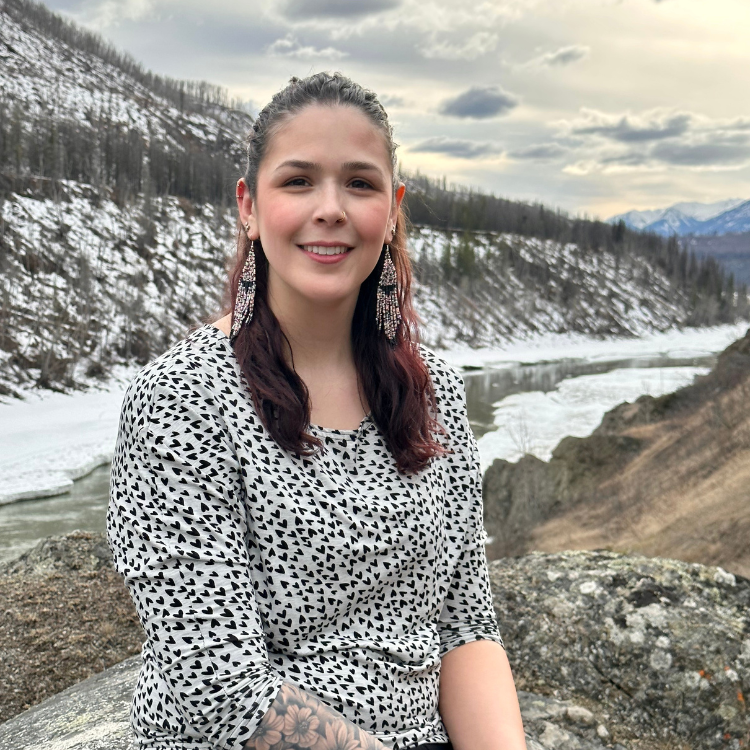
<point>329,209</point>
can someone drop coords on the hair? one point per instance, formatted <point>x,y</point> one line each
<point>394,377</point>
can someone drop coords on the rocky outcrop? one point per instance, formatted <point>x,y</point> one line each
<point>607,650</point>
<point>92,715</point>
<point>657,650</point>
<point>666,476</point>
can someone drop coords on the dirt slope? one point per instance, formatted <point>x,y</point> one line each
<point>666,476</point>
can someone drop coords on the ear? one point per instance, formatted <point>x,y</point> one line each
<point>400,191</point>
<point>246,209</point>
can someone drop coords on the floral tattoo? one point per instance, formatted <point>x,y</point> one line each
<point>297,719</point>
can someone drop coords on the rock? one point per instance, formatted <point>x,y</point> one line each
<point>80,551</point>
<point>607,650</point>
<point>653,649</point>
<point>92,715</point>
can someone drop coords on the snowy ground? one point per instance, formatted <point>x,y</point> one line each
<point>50,439</point>
<point>536,422</point>
<point>552,347</point>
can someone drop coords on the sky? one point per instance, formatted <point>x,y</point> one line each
<point>595,107</point>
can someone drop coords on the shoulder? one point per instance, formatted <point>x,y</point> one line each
<point>445,377</point>
<point>194,369</point>
<point>450,390</point>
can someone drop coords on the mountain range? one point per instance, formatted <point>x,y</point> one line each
<point>682,219</point>
<point>117,222</point>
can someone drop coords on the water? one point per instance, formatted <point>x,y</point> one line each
<point>23,524</point>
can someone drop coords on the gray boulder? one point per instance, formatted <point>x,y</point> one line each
<point>659,648</point>
<point>92,715</point>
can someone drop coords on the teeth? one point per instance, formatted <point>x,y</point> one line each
<point>318,250</point>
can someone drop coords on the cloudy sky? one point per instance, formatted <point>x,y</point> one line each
<point>593,106</point>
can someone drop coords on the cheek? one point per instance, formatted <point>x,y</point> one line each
<point>280,218</point>
<point>374,221</point>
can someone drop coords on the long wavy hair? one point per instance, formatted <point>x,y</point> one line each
<point>393,377</point>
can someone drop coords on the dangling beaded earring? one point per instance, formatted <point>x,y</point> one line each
<point>243,308</point>
<point>387,312</point>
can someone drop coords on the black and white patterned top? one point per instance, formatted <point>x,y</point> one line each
<point>249,566</point>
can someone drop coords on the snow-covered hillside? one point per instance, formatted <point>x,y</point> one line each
<point>45,73</point>
<point>87,284</point>
<point>521,286</point>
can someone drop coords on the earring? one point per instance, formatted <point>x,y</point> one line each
<point>243,307</point>
<point>387,312</point>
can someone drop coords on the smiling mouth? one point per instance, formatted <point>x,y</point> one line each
<point>322,250</point>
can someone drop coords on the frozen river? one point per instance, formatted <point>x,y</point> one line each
<point>512,407</point>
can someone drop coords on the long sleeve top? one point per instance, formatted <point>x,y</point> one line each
<point>249,565</point>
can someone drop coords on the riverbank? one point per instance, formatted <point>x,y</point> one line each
<point>49,439</point>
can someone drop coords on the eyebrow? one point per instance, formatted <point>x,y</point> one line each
<point>348,166</point>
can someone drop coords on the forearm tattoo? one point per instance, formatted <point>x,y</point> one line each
<point>298,719</point>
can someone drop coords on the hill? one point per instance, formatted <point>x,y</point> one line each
<point>732,251</point>
<point>117,220</point>
<point>666,476</point>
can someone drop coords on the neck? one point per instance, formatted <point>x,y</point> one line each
<point>319,333</point>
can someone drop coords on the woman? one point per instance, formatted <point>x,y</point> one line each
<point>305,555</point>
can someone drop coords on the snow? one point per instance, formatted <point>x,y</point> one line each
<point>552,347</point>
<point>50,439</point>
<point>535,422</point>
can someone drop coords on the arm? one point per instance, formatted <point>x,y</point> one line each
<point>177,528</point>
<point>301,720</point>
<point>478,701</point>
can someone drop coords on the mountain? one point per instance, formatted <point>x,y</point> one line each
<point>732,251</point>
<point>117,222</point>
<point>734,220</point>
<point>691,218</point>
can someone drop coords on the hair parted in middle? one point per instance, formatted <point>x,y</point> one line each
<point>394,377</point>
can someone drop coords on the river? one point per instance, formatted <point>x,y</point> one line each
<point>23,524</point>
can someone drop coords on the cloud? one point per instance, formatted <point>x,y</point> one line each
<point>480,102</point>
<point>561,57</point>
<point>457,147</point>
<point>392,100</point>
<point>316,9</point>
<point>111,12</point>
<point>290,46</point>
<point>629,129</point>
<point>539,152</point>
<point>716,154</point>
<point>475,46</point>
<point>658,140</point>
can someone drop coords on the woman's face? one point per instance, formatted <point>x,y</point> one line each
<point>325,180</point>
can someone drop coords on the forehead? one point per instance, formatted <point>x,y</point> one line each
<point>327,134</point>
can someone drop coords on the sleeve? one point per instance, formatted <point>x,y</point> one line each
<point>177,529</point>
<point>468,614</point>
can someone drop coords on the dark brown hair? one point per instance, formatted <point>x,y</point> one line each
<point>394,377</point>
